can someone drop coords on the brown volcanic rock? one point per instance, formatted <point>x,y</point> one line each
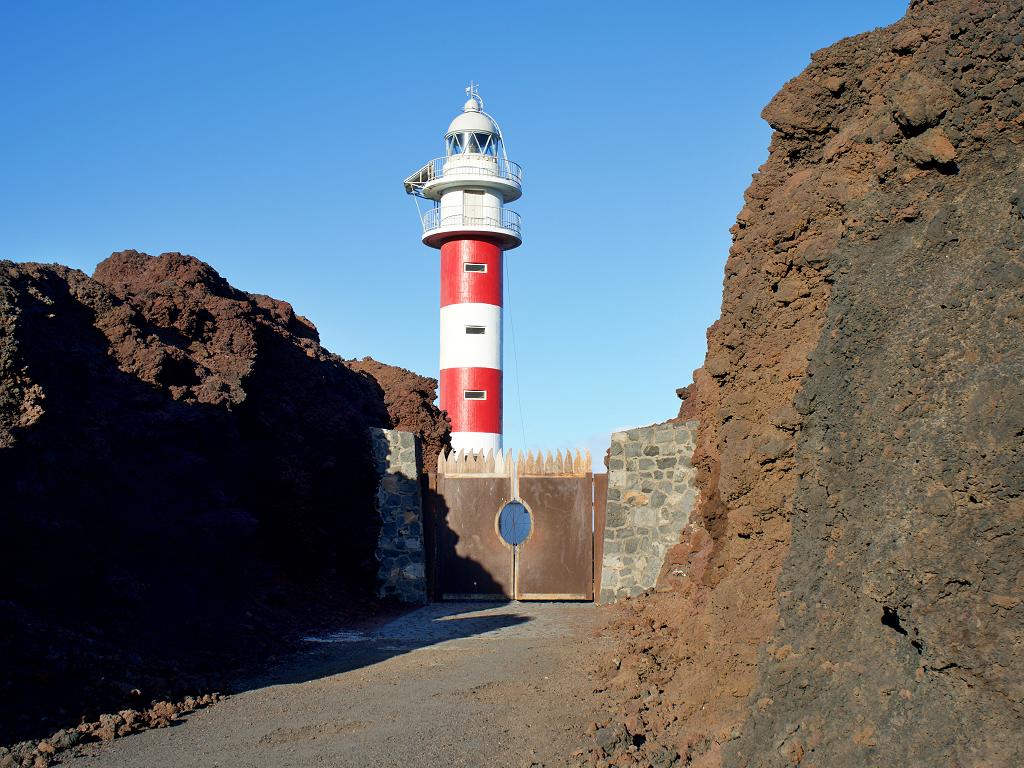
<point>850,591</point>
<point>409,399</point>
<point>187,478</point>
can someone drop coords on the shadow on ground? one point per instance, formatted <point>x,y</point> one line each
<point>334,653</point>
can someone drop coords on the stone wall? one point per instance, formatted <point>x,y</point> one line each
<point>400,550</point>
<point>651,491</point>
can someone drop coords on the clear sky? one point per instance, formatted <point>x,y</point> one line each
<point>271,140</point>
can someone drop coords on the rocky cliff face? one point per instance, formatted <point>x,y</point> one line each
<point>850,593</point>
<point>185,471</point>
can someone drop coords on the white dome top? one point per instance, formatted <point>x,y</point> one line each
<point>472,120</point>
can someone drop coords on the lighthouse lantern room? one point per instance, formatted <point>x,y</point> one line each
<point>469,223</point>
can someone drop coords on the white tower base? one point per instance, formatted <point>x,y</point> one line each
<point>476,441</point>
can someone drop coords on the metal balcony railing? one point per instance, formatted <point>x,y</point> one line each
<point>501,218</point>
<point>464,165</point>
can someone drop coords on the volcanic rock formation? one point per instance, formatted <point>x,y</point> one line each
<point>185,473</point>
<point>850,592</point>
<point>409,399</point>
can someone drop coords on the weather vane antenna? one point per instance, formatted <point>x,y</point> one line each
<point>473,92</point>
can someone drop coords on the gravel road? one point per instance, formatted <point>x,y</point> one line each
<point>450,684</point>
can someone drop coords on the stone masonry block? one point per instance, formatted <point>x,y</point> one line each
<point>651,495</point>
<point>645,517</point>
<point>400,552</point>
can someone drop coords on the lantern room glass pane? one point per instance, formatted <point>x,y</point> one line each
<point>486,143</point>
<point>469,143</point>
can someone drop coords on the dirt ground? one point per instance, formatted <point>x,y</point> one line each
<point>450,684</point>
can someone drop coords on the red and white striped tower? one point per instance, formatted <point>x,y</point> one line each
<point>469,187</point>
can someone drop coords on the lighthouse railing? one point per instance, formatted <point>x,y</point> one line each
<point>474,216</point>
<point>462,165</point>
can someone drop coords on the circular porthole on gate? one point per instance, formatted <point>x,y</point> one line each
<point>514,523</point>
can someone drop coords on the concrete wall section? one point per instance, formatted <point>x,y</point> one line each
<point>402,573</point>
<point>651,491</point>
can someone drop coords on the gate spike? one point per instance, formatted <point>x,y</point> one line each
<point>587,462</point>
<point>578,463</point>
<point>559,466</point>
<point>489,461</point>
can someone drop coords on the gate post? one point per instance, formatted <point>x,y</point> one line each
<point>651,490</point>
<point>402,572</point>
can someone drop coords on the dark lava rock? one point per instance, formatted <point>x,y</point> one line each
<point>186,476</point>
<point>852,590</point>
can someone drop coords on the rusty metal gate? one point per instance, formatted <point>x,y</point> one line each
<point>471,560</point>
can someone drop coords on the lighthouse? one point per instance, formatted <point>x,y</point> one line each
<point>469,224</point>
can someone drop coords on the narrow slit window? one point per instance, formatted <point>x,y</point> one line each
<point>477,330</point>
<point>470,266</point>
<point>475,394</point>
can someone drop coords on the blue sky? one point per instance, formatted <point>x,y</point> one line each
<point>271,140</point>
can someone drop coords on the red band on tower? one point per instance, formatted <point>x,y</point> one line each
<point>472,415</point>
<point>459,286</point>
